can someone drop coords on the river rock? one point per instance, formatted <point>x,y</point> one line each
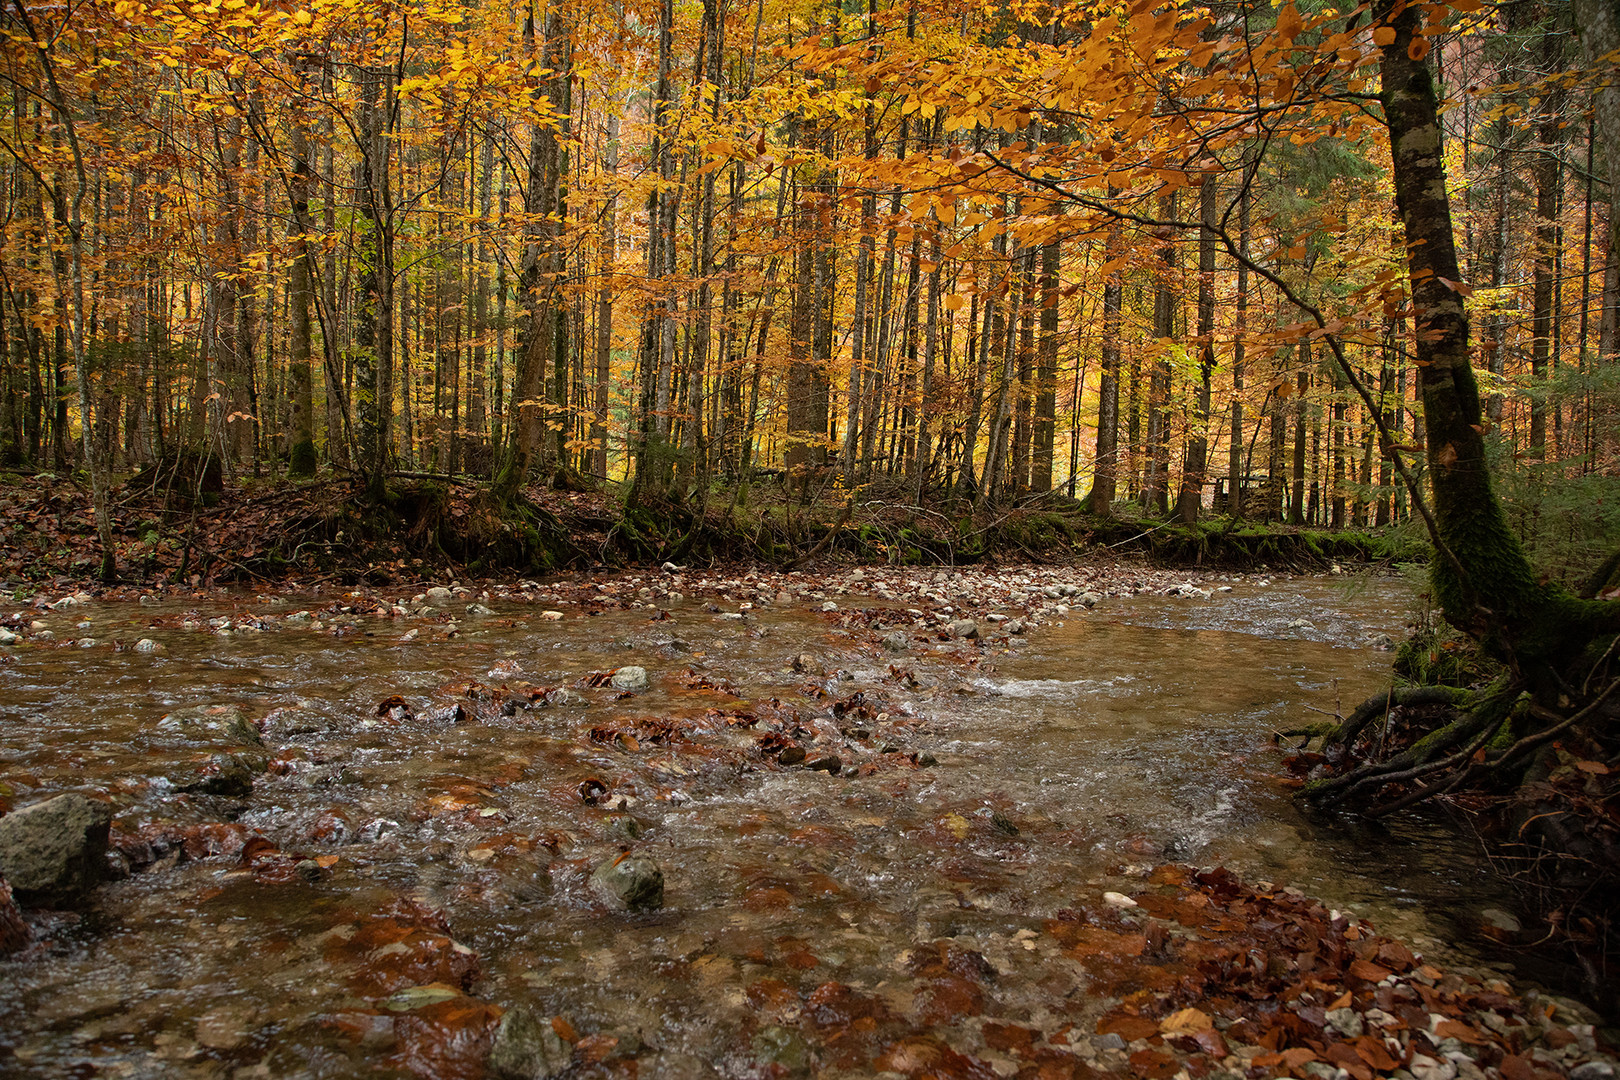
<point>14,932</point>
<point>1347,1022</point>
<point>896,641</point>
<point>1013,626</point>
<point>784,1048</point>
<point>219,774</point>
<point>479,609</point>
<point>212,723</point>
<point>1497,919</point>
<point>1090,599</point>
<point>1592,1070</point>
<point>630,883</point>
<point>629,678</point>
<point>146,644</point>
<point>962,628</point>
<point>7,637</point>
<point>438,596</point>
<point>55,850</point>
<point>527,1047</point>
<point>828,764</point>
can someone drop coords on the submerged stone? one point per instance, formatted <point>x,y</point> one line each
<point>630,883</point>
<point>527,1047</point>
<point>212,723</point>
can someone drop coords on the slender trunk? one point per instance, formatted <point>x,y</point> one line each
<point>1191,499</point>
<point>1105,472</point>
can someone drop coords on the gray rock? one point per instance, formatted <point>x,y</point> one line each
<point>479,609</point>
<point>895,641</point>
<point>630,883</point>
<point>1500,920</point>
<point>1111,1041</point>
<point>7,637</point>
<point>438,596</point>
<point>55,850</point>
<point>1592,1070</point>
<point>1013,626</point>
<point>292,722</point>
<point>1090,599</point>
<point>828,764</point>
<point>1321,1070</point>
<point>1346,1022</point>
<point>219,774</point>
<point>962,628</point>
<point>630,678</point>
<point>146,644</point>
<point>212,723</point>
<point>527,1047</point>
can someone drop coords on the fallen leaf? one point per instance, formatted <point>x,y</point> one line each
<point>1186,1022</point>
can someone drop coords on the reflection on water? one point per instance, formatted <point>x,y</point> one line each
<point>1134,734</point>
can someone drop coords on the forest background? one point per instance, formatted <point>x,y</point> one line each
<point>922,253</point>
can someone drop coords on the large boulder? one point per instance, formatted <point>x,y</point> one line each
<point>630,883</point>
<point>56,850</point>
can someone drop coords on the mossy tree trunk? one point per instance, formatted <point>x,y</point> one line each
<point>1482,578</point>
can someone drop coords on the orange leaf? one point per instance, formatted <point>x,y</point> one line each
<point>1130,1028</point>
<point>1384,35</point>
<point>1455,1029</point>
<point>1368,971</point>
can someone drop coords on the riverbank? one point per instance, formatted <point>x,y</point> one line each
<point>271,531</point>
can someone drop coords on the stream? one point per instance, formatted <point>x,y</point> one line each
<point>983,787</point>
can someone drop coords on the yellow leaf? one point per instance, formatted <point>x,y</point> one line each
<point>953,302</point>
<point>302,17</point>
<point>957,824</point>
<point>1185,1022</point>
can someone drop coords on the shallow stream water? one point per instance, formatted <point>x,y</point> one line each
<point>1064,760</point>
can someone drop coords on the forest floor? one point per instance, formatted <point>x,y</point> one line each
<point>316,532</point>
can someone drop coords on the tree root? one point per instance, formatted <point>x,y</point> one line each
<point>1477,744</point>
